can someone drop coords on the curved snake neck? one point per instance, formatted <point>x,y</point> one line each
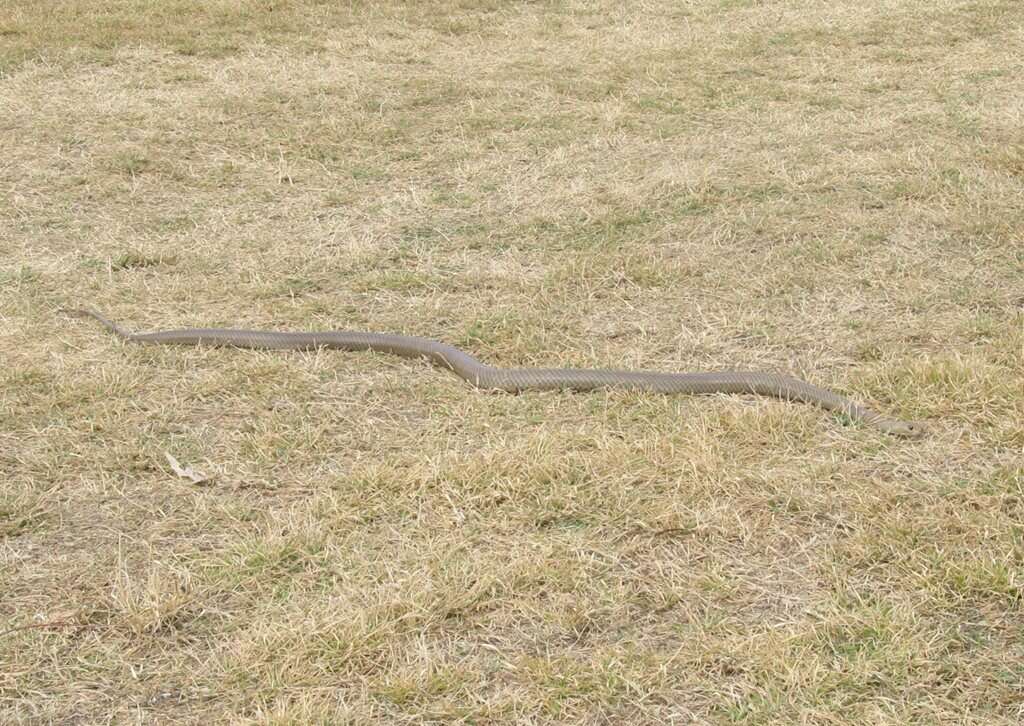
<point>515,380</point>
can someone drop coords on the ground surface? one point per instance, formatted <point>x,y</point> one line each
<point>831,189</point>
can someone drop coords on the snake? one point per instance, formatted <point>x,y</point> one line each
<point>518,380</point>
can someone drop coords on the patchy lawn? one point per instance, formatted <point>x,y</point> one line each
<point>834,190</point>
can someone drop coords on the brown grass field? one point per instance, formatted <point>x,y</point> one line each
<point>829,189</point>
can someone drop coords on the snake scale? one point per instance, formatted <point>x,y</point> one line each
<point>515,380</point>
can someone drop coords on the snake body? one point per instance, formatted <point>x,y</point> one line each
<point>515,380</point>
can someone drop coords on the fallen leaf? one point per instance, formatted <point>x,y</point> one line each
<point>185,472</point>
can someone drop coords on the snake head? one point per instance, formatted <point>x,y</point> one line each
<point>906,429</point>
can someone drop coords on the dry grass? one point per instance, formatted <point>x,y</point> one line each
<point>830,189</point>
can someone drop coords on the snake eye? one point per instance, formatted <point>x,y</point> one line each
<point>915,429</point>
